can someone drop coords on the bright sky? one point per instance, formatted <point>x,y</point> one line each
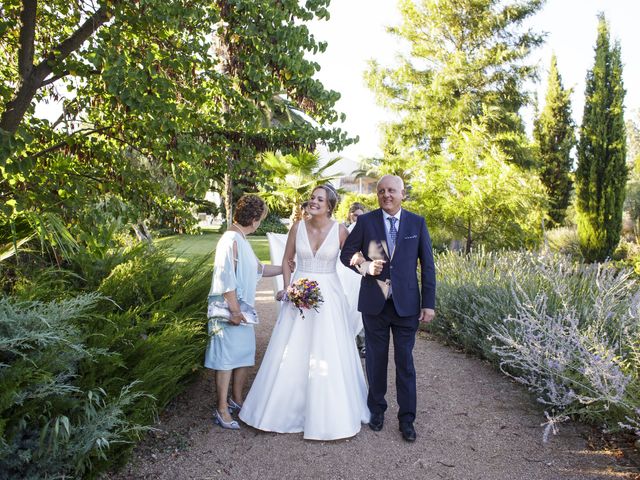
<point>356,33</point>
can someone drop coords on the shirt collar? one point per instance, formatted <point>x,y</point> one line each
<point>385,215</point>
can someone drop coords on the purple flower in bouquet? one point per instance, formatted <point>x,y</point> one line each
<point>304,294</point>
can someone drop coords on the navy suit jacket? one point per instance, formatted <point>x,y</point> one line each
<point>413,246</point>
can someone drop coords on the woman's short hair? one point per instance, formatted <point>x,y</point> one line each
<point>332,196</point>
<point>249,209</point>
<point>357,206</point>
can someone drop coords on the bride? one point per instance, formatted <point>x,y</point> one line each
<point>311,378</point>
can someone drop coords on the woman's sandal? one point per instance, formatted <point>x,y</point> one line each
<point>234,407</point>
<point>232,425</point>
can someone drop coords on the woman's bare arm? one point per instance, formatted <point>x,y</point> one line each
<point>271,270</point>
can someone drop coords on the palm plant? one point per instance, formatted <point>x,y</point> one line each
<point>293,177</point>
<point>48,226</point>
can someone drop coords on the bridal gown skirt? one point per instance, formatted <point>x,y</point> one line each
<point>311,378</point>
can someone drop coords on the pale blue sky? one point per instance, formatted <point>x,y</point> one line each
<point>356,33</point>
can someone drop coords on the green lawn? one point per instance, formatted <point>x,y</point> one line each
<point>189,246</point>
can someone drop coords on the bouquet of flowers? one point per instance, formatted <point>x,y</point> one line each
<point>304,294</point>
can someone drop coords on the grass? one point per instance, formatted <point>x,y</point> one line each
<point>186,247</point>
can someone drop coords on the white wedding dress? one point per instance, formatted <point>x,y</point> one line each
<point>311,378</point>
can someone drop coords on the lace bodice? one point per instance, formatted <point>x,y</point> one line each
<point>324,260</point>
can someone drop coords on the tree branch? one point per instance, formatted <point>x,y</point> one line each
<point>55,78</point>
<point>27,37</point>
<point>75,41</point>
<point>17,107</point>
<point>65,142</point>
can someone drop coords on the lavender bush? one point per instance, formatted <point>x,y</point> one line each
<point>570,332</point>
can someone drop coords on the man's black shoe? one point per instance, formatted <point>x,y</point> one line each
<point>408,432</point>
<point>376,422</point>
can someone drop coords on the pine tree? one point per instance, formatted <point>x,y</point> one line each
<point>555,137</point>
<point>467,64</point>
<point>602,171</point>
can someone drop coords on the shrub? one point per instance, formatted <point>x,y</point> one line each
<point>568,331</point>
<point>80,378</point>
<point>139,281</point>
<point>50,427</point>
<point>272,224</point>
<point>564,240</point>
<point>369,200</point>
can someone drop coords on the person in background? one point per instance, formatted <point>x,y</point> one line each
<point>355,210</point>
<point>236,271</point>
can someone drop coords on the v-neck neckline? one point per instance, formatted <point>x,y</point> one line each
<point>324,240</point>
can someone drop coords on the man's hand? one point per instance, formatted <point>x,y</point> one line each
<point>375,267</point>
<point>280,295</point>
<point>427,314</point>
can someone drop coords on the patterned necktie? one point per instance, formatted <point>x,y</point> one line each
<point>393,233</point>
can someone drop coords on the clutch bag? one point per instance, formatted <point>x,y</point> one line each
<point>220,311</point>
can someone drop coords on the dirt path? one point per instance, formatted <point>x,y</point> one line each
<point>473,423</point>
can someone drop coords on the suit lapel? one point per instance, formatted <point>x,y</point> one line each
<point>401,229</point>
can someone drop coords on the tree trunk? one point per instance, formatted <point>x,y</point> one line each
<point>228,191</point>
<point>142,232</point>
<point>32,77</point>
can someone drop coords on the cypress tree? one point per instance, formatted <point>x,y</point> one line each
<point>602,171</point>
<point>555,137</point>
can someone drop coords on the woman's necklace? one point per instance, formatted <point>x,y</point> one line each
<point>239,230</point>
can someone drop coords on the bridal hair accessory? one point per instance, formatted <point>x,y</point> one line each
<point>304,294</point>
<point>332,196</point>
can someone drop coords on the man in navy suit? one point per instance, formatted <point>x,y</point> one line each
<point>392,241</point>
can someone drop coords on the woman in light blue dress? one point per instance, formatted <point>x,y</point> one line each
<point>236,271</point>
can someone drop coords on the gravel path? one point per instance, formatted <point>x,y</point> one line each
<point>473,423</point>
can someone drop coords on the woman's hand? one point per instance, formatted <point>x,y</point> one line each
<point>357,259</point>
<point>236,318</point>
<point>280,295</point>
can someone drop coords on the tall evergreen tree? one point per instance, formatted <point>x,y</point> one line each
<point>555,137</point>
<point>466,64</point>
<point>602,171</point>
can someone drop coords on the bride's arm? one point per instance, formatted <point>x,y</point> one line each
<point>288,258</point>
<point>357,258</point>
<point>344,233</point>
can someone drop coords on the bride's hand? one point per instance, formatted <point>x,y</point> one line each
<point>357,259</point>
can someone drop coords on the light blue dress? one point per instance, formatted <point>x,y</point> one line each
<point>232,346</point>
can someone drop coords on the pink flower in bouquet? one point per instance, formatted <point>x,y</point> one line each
<point>304,294</point>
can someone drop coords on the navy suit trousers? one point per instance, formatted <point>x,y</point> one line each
<point>377,333</point>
